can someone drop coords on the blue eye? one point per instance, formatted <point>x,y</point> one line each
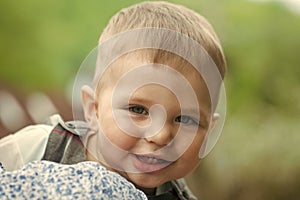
<point>186,120</point>
<point>138,110</point>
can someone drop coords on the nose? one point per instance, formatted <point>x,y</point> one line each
<point>163,137</point>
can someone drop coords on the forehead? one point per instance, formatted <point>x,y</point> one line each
<point>138,58</point>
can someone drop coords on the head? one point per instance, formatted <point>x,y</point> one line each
<point>152,131</point>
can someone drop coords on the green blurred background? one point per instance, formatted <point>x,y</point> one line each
<point>42,44</point>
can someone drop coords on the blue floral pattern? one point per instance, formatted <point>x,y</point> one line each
<point>49,180</point>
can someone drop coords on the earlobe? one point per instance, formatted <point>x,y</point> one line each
<point>89,107</point>
<point>214,120</point>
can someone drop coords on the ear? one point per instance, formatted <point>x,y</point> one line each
<point>89,107</point>
<point>202,152</point>
<point>213,122</point>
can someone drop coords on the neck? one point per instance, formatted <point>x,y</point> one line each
<point>147,191</point>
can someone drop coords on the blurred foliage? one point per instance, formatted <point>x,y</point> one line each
<point>257,157</point>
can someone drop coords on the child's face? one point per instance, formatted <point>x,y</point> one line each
<point>149,162</point>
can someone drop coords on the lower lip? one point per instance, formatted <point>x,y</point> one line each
<point>143,166</point>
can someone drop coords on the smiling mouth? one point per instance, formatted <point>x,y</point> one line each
<point>148,163</point>
<point>151,160</point>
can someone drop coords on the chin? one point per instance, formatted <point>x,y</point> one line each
<point>145,180</point>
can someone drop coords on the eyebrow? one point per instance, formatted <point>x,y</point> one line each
<point>140,100</point>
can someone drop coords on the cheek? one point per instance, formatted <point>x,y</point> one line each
<point>116,135</point>
<point>111,129</point>
<point>191,155</point>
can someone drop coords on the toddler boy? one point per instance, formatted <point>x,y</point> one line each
<point>151,105</point>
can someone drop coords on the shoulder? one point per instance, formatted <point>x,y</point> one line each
<point>77,127</point>
<point>37,130</point>
<point>24,146</point>
<point>66,141</point>
<point>34,132</point>
<point>27,144</point>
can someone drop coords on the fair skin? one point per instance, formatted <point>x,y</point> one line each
<point>143,163</point>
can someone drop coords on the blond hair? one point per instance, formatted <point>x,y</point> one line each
<point>168,16</point>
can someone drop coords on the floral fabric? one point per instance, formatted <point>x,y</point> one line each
<point>49,180</point>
